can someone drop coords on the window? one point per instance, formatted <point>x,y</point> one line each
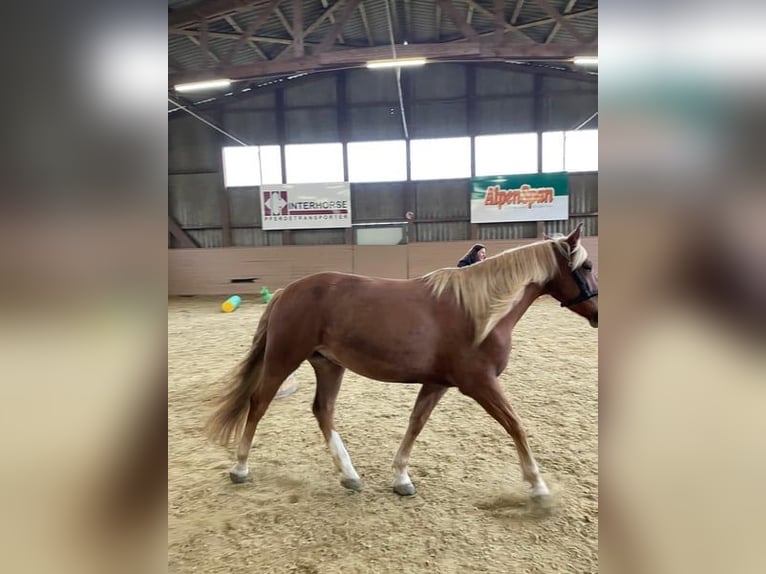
<point>314,163</point>
<point>553,151</point>
<point>444,158</point>
<point>581,150</point>
<point>377,161</point>
<point>581,153</point>
<point>506,154</point>
<point>245,166</point>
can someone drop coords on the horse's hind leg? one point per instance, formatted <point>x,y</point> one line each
<point>490,396</point>
<point>264,393</point>
<point>428,398</point>
<point>329,376</point>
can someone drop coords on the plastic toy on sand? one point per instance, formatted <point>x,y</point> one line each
<point>266,294</point>
<point>231,304</point>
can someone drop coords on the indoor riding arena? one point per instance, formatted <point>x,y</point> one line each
<point>381,138</point>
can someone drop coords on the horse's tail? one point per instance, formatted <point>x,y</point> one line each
<point>231,408</point>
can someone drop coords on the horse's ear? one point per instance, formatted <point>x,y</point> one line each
<point>574,237</point>
<point>547,237</point>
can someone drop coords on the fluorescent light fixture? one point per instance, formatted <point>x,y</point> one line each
<point>205,85</point>
<point>586,60</point>
<point>396,63</point>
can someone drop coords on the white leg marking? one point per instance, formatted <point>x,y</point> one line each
<point>401,476</point>
<point>340,457</point>
<point>240,469</point>
<point>539,488</point>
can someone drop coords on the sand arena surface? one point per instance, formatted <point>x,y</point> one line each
<point>471,512</point>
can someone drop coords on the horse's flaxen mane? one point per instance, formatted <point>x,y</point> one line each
<point>488,290</point>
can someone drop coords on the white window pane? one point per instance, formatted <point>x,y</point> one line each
<point>582,150</point>
<point>377,161</point>
<point>506,154</point>
<point>553,151</point>
<point>243,167</point>
<point>314,163</point>
<point>271,162</point>
<point>444,158</point>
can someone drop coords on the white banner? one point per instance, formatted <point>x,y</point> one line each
<point>306,206</point>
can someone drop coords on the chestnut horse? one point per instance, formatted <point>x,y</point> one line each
<point>450,328</point>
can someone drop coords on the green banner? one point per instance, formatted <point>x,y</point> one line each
<point>529,197</point>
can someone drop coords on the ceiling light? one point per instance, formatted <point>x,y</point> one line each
<point>586,60</point>
<point>205,85</point>
<point>396,63</point>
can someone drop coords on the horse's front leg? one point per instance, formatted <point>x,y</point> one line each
<point>489,395</point>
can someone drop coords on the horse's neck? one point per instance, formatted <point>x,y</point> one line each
<point>531,292</point>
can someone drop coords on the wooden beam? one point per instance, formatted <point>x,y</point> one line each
<point>365,23</point>
<point>570,16</point>
<point>567,9</point>
<point>213,9</point>
<point>499,6</point>
<point>262,18</point>
<point>506,25</point>
<point>199,45</point>
<point>543,22</point>
<point>553,13</point>
<point>250,42</point>
<point>329,38</point>
<point>183,238</point>
<point>465,28</point>
<point>298,27</point>
<point>516,11</point>
<point>350,57</point>
<point>327,14</point>
<point>234,37</point>
<point>284,22</point>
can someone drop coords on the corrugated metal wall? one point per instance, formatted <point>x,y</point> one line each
<point>378,201</point>
<point>437,106</point>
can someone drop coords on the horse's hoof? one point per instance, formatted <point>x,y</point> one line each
<point>239,478</point>
<point>539,491</point>
<point>542,502</point>
<point>352,484</point>
<point>407,489</point>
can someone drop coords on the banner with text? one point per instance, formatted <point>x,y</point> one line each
<point>306,206</point>
<point>533,197</point>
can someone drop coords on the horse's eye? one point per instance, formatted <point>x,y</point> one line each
<point>587,266</point>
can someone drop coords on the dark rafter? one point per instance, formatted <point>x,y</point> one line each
<point>298,27</point>
<point>465,28</point>
<point>561,21</point>
<point>329,38</point>
<point>262,18</point>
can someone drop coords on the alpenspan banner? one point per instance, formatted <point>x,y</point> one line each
<point>531,197</point>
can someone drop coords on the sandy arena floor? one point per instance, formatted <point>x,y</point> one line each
<point>471,512</point>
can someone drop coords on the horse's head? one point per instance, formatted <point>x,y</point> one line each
<point>575,285</point>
